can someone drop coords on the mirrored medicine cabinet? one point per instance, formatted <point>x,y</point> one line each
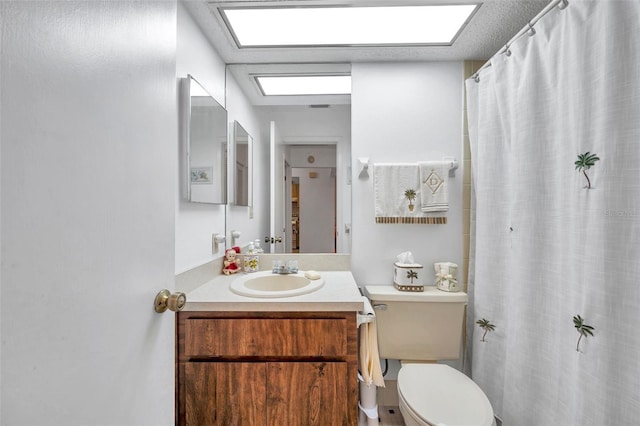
<point>206,145</point>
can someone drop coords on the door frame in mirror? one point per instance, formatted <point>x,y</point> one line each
<point>342,212</point>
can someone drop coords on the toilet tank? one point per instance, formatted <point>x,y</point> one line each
<point>418,326</point>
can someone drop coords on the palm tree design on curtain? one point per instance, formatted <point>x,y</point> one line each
<point>585,162</point>
<point>486,326</point>
<point>584,329</point>
<point>411,275</point>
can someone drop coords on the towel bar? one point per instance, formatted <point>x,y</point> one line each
<point>364,164</point>
<point>367,314</point>
<point>365,318</point>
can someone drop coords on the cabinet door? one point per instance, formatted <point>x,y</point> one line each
<point>307,393</point>
<point>199,394</point>
<point>241,394</point>
<point>225,394</point>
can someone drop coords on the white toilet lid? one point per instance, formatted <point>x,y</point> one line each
<point>442,395</point>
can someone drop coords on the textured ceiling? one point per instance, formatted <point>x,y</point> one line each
<point>491,28</point>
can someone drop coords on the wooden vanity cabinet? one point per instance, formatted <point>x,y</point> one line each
<point>266,368</point>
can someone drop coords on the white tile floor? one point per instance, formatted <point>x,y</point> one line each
<point>388,410</point>
<point>390,416</point>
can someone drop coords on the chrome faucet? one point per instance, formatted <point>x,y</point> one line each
<point>280,268</point>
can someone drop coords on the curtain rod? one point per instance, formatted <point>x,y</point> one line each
<point>528,29</point>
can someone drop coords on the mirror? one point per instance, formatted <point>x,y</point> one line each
<point>206,129</point>
<point>242,171</point>
<point>304,124</point>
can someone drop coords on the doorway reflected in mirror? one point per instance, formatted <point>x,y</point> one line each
<point>313,210</point>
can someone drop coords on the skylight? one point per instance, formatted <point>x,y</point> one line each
<point>305,85</point>
<point>347,26</point>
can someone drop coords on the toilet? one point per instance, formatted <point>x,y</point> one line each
<point>420,328</point>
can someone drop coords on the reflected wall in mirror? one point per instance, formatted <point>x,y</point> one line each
<point>242,172</point>
<point>206,132</point>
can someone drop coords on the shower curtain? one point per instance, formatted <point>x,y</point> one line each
<point>547,248</point>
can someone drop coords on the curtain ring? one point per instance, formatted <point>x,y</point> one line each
<point>476,78</point>
<point>532,30</point>
<point>507,51</point>
<point>563,4</point>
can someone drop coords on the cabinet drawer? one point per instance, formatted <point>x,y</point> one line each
<point>265,337</point>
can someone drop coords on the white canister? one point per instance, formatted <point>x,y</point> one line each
<point>408,276</point>
<point>251,263</point>
<point>446,276</point>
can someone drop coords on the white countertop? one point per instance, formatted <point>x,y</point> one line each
<point>339,293</point>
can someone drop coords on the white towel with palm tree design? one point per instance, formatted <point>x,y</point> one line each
<point>390,183</point>
<point>433,186</point>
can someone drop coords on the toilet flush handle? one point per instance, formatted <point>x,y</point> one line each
<point>380,306</point>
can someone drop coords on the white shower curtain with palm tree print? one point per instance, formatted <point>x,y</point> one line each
<point>555,266</point>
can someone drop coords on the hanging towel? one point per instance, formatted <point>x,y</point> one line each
<point>390,182</point>
<point>369,359</point>
<point>433,186</point>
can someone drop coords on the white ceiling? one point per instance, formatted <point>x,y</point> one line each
<point>494,24</point>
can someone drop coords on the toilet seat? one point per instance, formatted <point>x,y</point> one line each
<point>436,394</point>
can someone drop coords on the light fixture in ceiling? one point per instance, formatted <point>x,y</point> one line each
<point>346,25</point>
<point>291,85</point>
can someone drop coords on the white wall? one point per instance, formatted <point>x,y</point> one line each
<point>404,112</point>
<point>323,156</point>
<point>252,222</point>
<point>195,223</point>
<point>88,167</point>
<point>303,125</point>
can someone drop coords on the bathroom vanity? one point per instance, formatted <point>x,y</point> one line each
<point>276,361</point>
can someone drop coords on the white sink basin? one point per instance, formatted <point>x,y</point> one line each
<point>267,284</point>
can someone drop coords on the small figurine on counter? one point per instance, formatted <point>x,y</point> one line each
<point>231,264</point>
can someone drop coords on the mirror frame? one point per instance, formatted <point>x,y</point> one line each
<point>239,134</point>
<point>221,172</point>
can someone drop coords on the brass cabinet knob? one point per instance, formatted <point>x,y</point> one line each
<point>164,299</point>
